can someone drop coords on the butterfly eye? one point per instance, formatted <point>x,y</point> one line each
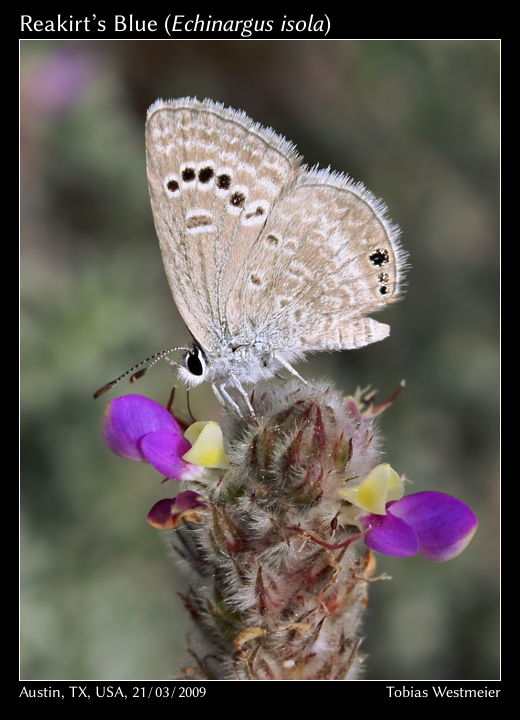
<point>195,363</point>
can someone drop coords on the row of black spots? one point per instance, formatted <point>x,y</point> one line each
<point>223,182</point>
<point>378,258</point>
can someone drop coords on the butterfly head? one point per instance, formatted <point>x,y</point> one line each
<point>194,366</point>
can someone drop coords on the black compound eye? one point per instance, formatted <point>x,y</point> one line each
<point>195,362</point>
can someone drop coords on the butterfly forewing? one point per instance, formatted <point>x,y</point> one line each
<point>214,177</point>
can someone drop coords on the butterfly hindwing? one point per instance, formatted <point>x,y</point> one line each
<point>326,258</point>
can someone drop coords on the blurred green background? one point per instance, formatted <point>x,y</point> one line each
<point>417,122</point>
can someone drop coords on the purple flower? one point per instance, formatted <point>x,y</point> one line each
<point>170,512</point>
<point>138,428</point>
<point>432,524</point>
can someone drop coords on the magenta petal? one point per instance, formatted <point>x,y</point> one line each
<point>444,525</point>
<point>168,513</point>
<point>164,449</point>
<point>160,516</point>
<point>188,500</point>
<point>129,418</point>
<point>391,535</point>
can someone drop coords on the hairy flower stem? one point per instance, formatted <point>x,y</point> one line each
<point>281,583</point>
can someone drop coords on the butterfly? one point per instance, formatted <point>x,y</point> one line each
<point>267,259</point>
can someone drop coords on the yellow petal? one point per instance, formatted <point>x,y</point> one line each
<point>207,445</point>
<point>395,489</point>
<point>381,485</point>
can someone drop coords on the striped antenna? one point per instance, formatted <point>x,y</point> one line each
<point>147,362</point>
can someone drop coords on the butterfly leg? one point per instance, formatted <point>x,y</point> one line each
<point>238,385</point>
<point>228,399</point>
<point>218,394</point>
<point>290,368</point>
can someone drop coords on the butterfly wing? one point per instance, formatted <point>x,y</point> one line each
<point>326,258</point>
<point>214,176</point>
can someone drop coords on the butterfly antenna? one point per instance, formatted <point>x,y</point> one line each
<point>135,374</point>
